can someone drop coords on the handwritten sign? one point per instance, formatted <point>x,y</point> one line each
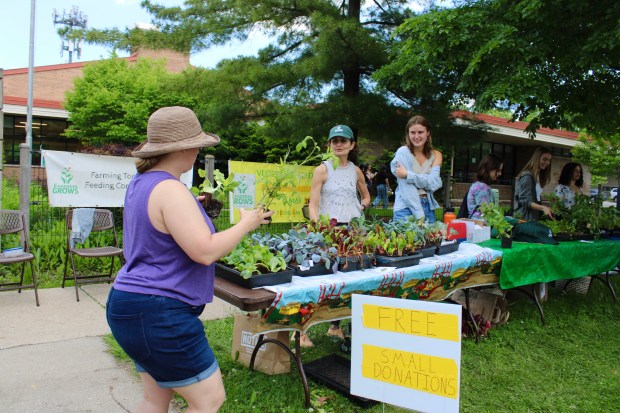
<point>406,352</point>
<point>252,177</point>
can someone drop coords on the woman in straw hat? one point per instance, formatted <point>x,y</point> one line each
<point>170,246</point>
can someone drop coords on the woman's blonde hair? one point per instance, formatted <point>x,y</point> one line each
<point>533,166</point>
<point>428,145</point>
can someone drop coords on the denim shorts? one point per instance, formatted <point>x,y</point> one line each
<point>163,336</point>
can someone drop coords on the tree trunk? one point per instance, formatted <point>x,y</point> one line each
<point>352,72</point>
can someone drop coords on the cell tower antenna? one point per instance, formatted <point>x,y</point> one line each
<point>70,32</point>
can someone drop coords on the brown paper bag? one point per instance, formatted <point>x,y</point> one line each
<point>270,359</point>
<point>481,303</point>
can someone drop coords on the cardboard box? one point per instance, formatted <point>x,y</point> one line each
<point>480,234</point>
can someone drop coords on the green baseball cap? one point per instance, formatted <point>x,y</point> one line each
<point>342,131</point>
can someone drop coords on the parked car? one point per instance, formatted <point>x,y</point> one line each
<point>593,193</point>
<point>613,194</point>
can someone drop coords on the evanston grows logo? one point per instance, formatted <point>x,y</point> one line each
<point>66,187</point>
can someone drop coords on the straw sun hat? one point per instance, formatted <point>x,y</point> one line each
<point>172,129</point>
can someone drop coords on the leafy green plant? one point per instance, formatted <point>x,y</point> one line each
<point>251,258</point>
<point>584,214</point>
<point>494,216</point>
<point>561,226</point>
<point>609,218</point>
<point>221,187</point>
<point>347,240</point>
<point>434,233</point>
<point>285,176</point>
<point>300,247</point>
<point>384,239</point>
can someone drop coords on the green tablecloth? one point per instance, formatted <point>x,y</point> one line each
<point>527,263</point>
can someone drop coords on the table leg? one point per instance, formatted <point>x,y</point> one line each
<point>607,283</point>
<point>471,316</point>
<point>531,292</point>
<point>294,356</point>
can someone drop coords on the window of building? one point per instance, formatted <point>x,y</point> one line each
<point>46,134</point>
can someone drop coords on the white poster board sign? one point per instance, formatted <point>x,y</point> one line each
<point>85,180</point>
<point>406,352</point>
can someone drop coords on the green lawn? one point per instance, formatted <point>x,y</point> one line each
<point>572,364</point>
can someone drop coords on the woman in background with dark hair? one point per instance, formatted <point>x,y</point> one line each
<point>489,170</point>
<point>530,183</point>
<point>570,183</point>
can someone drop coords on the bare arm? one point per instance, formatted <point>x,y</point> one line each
<point>173,210</point>
<point>318,179</point>
<point>362,188</point>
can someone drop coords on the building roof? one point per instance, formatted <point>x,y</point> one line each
<point>40,103</point>
<point>518,125</point>
<point>62,66</point>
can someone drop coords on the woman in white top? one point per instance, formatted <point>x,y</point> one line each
<point>334,190</point>
<point>334,193</point>
<point>416,165</point>
<point>570,183</point>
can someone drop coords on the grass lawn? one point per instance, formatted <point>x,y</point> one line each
<point>572,364</point>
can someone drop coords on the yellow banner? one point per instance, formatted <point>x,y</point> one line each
<point>252,177</point>
<point>430,374</point>
<point>415,322</point>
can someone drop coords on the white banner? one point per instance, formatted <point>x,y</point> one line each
<point>84,180</point>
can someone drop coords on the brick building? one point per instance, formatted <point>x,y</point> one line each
<point>49,118</point>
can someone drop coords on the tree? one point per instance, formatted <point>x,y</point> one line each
<point>112,102</point>
<point>602,154</point>
<point>317,71</point>
<point>558,60</point>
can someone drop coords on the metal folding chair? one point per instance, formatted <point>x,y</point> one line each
<point>13,222</point>
<point>103,220</point>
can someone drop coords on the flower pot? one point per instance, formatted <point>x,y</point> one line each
<point>399,261</point>
<point>354,263</point>
<point>506,242</point>
<point>305,211</point>
<point>259,280</point>
<point>212,206</point>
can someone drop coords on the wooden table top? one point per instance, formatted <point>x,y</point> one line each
<point>241,297</point>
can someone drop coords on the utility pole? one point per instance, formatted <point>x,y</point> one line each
<point>71,35</point>
<point>25,154</point>
<point>1,130</point>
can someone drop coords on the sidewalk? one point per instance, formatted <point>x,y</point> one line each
<point>53,358</point>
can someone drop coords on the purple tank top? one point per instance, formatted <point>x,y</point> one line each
<point>155,264</point>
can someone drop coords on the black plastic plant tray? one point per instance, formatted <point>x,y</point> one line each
<point>335,371</point>
<point>318,269</point>
<point>355,263</point>
<point>428,251</point>
<point>447,248</point>
<point>234,276</point>
<point>399,261</point>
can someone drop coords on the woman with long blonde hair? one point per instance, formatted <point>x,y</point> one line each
<point>530,183</point>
